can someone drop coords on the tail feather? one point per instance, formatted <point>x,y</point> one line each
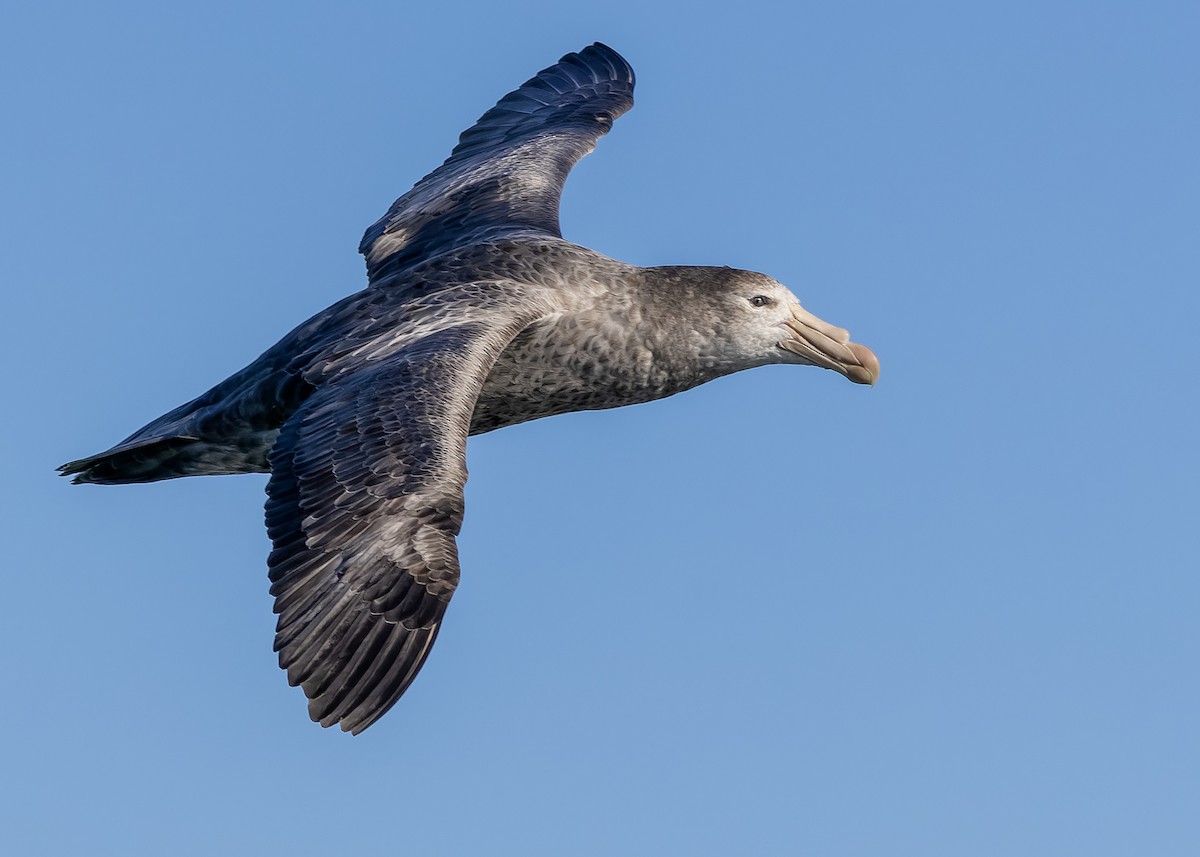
<point>141,461</point>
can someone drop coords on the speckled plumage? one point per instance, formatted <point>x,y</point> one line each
<point>477,315</point>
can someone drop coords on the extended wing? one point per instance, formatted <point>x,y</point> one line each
<point>364,503</point>
<point>506,175</point>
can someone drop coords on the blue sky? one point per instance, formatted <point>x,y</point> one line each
<point>780,614</point>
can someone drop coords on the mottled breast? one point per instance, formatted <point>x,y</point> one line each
<point>603,355</point>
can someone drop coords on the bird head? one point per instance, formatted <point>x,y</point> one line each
<point>758,321</point>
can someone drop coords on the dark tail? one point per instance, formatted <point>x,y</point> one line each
<point>141,461</point>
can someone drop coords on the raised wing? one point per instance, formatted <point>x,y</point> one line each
<point>364,502</point>
<point>506,175</point>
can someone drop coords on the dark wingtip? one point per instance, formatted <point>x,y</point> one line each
<point>600,52</point>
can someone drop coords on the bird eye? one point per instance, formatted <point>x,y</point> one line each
<point>761,300</point>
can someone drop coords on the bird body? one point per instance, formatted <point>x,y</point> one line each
<point>478,315</point>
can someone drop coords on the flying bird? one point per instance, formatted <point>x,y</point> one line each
<point>477,315</point>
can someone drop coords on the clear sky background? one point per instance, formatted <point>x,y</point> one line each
<point>780,614</point>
